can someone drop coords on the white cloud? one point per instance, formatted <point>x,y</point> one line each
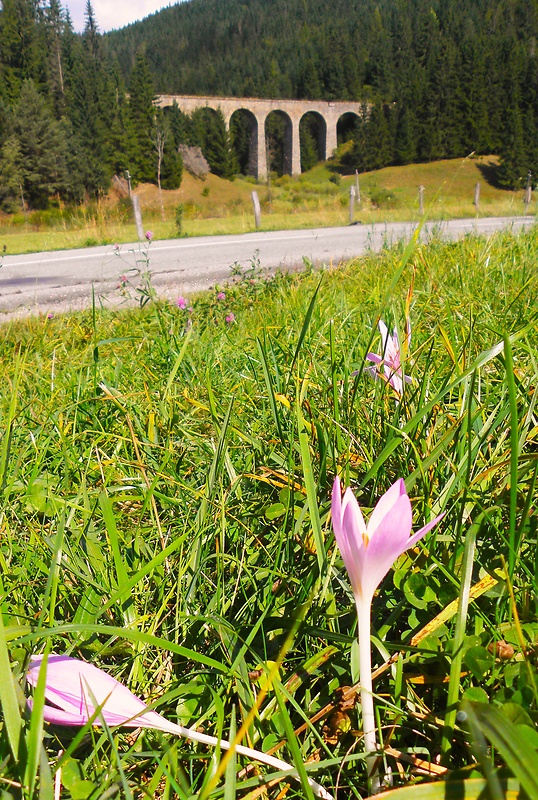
<point>114,14</point>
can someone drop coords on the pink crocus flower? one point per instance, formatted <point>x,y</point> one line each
<point>391,360</point>
<point>181,302</point>
<point>75,690</point>
<point>368,551</point>
<point>149,235</point>
<point>221,296</point>
<point>230,318</point>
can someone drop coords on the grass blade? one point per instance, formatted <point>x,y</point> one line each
<point>8,696</point>
<point>508,738</point>
<point>514,453</point>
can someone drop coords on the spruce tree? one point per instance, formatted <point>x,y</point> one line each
<point>405,150</point>
<point>241,126</point>
<point>54,31</point>
<point>180,125</point>
<point>141,102</point>
<point>11,177</point>
<point>209,132</point>
<point>309,134</point>
<point>38,138</point>
<point>20,54</point>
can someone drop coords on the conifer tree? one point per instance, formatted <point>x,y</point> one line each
<point>309,142</point>
<point>172,164</point>
<point>241,127</point>
<point>180,125</point>
<point>36,148</point>
<point>210,134</point>
<point>19,50</point>
<point>11,178</point>
<point>54,30</point>
<point>405,151</point>
<point>141,102</point>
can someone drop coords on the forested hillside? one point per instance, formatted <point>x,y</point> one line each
<point>442,78</point>
<point>66,123</point>
<point>446,76</point>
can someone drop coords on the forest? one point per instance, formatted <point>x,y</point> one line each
<point>442,79</point>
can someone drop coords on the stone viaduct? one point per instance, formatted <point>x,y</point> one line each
<point>257,110</point>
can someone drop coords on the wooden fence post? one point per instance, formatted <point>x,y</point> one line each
<point>257,209</point>
<point>357,187</point>
<point>351,203</point>
<point>476,200</point>
<point>138,216</point>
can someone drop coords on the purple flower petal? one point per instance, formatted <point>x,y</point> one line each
<point>76,689</point>
<point>374,357</point>
<point>349,528</point>
<point>390,360</point>
<point>368,551</point>
<point>388,542</point>
<point>385,504</point>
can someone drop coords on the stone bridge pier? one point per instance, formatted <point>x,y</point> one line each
<point>257,111</point>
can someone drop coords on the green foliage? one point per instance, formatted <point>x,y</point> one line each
<point>180,211</point>
<point>141,106</point>
<point>33,162</point>
<point>309,129</point>
<point>208,131</point>
<point>166,474</point>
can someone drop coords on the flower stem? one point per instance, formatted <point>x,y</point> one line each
<point>367,697</point>
<point>195,736</point>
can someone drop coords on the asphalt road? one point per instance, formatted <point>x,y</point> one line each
<point>66,280</point>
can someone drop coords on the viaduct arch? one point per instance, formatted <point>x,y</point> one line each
<point>258,110</point>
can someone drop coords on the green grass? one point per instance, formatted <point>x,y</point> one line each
<point>165,483</point>
<point>217,206</point>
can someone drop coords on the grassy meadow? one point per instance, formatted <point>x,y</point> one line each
<point>318,198</point>
<point>166,476</point>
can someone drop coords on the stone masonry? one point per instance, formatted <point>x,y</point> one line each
<point>258,110</point>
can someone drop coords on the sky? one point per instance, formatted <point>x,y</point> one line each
<point>114,13</point>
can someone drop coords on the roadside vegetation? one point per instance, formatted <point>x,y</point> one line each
<point>166,476</point>
<point>318,198</point>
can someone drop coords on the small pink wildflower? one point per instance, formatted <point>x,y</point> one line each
<point>149,235</point>
<point>50,315</point>
<point>181,303</point>
<point>221,296</point>
<point>230,318</point>
<point>116,248</point>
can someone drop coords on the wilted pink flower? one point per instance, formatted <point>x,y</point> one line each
<point>181,303</point>
<point>76,690</point>
<point>390,359</point>
<point>368,552</point>
<point>149,235</point>
<point>230,318</point>
<point>116,248</point>
<point>221,296</point>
